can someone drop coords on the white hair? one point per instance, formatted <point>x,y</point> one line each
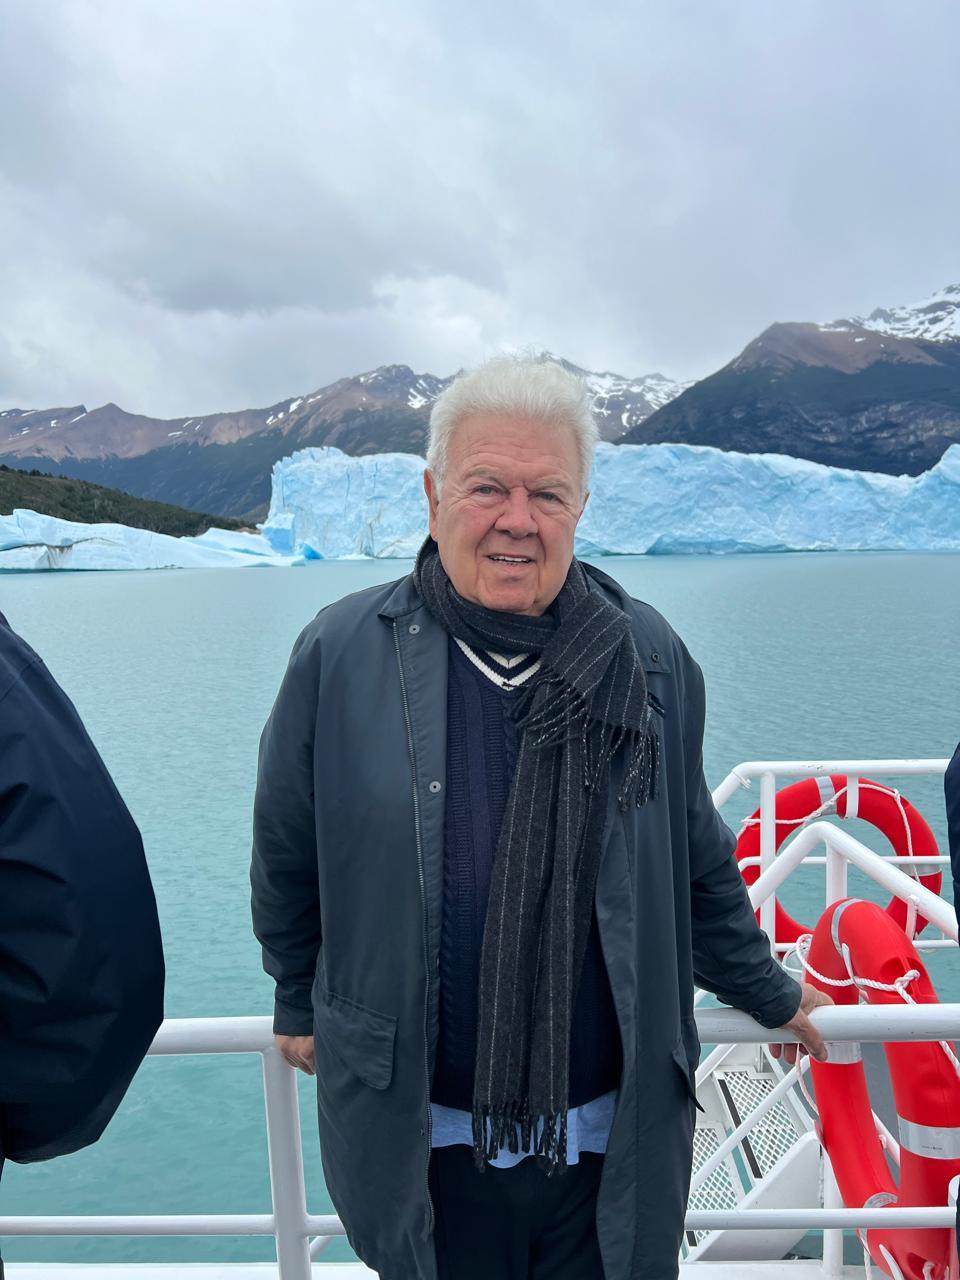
<point>515,386</point>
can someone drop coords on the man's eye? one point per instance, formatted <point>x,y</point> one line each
<point>484,490</point>
<point>550,497</point>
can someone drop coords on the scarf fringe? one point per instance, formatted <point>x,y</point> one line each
<point>510,1127</point>
<point>641,779</point>
<point>566,715</point>
<point>557,720</point>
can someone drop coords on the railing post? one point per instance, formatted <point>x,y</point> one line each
<point>768,851</point>
<point>832,1239</point>
<point>953,1190</point>
<point>836,882</point>
<point>286,1167</point>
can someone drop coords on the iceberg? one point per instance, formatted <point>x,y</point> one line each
<point>327,505</point>
<point>32,542</point>
<point>658,499</point>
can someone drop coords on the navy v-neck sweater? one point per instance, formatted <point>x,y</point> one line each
<point>482,745</point>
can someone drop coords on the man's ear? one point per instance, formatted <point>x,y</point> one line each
<point>431,489</point>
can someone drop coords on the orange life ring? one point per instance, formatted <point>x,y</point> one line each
<point>882,806</point>
<point>860,938</point>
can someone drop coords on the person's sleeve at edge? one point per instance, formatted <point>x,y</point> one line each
<point>283,872</point>
<point>731,952</point>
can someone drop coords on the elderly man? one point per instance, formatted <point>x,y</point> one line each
<point>487,873</point>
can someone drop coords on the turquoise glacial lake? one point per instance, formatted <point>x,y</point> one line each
<point>174,673</point>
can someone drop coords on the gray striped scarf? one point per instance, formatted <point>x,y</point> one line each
<point>588,699</point>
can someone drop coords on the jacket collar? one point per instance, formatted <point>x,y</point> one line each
<point>404,598</point>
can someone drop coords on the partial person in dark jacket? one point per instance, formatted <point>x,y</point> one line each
<point>487,872</point>
<point>951,794</point>
<point>951,791</point>
<point>81,963</point>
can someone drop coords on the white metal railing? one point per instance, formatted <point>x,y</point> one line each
<point>841,851</point>
<point>289,1222</point>
<point>292,1226</point>
<point>742,775</point>
<point>768,771</point>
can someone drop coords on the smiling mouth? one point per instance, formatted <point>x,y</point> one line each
<point>510,559</point>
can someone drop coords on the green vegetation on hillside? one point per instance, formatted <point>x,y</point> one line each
<point>92,504</point>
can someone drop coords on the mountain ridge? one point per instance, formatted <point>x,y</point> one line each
<point>880,392</point>
<point>851,393</point>
<point>222,461</point>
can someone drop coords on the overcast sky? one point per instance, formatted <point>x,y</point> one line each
<point>214,204</point>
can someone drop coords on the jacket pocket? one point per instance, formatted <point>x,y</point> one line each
<point>686,1055</point>
<point>361,1038</point>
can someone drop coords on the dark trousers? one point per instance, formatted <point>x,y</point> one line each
<point>514,1224</point>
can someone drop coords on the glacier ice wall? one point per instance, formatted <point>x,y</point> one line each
<point>644,499</point>
<point>326,505</point>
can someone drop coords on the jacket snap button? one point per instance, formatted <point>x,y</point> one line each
<point>655,657</point>
<point>434,787</point>
<point>414,628</point>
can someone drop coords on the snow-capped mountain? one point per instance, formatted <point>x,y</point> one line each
<point>620,403</point>
<point>880,392</point>
<point>383,410</point>
<point>935,319</point>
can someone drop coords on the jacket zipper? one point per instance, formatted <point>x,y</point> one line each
<point>423,899</point>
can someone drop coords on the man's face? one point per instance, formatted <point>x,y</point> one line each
<point>505,517</point>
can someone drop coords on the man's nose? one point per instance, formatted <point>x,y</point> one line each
<point>517,517</point>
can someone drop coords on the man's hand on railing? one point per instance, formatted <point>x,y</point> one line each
<point>298,1051</point>
<point>811,1041</point>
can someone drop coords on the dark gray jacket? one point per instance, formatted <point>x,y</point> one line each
<point>81,962</point>
<point>951,793</point>
<point>347,879</point>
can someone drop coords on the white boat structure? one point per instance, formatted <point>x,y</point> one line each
<point>761,1181</point>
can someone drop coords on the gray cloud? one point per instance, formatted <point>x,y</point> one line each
<point>208,206</point>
